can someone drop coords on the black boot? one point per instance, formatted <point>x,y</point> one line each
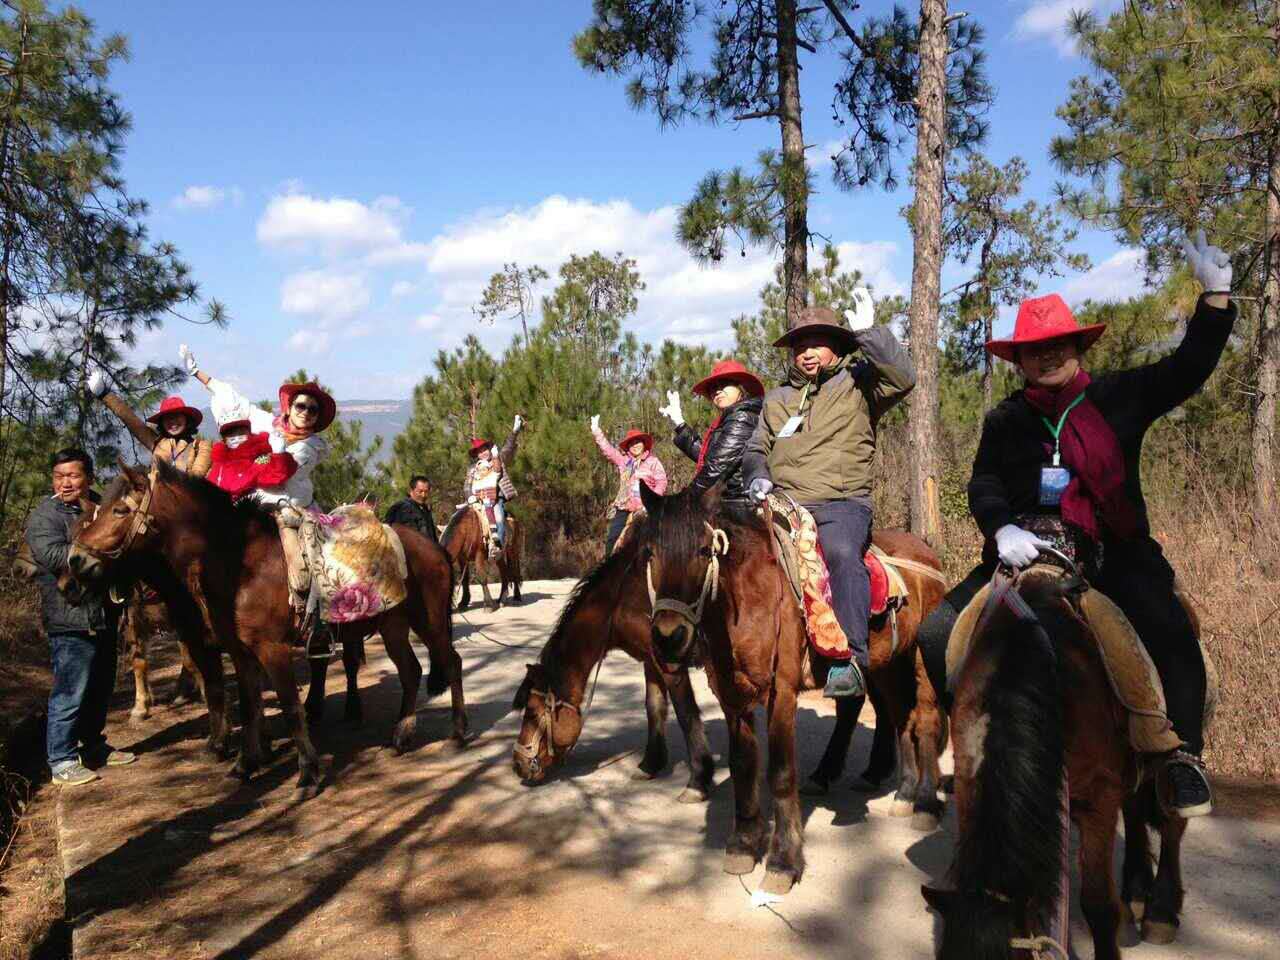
<point>1185,787</point>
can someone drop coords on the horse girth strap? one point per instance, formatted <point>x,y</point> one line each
<point>692,614</point>
<point>1042,948</point>
<point>545,721</point>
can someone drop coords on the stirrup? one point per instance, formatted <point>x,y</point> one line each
<point>321,642</point>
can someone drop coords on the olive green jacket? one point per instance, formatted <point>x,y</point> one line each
<point>830,456</point>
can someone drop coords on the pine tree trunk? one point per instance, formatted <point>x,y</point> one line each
<point>796,200</point>
<point>1262,441</point>
<point>6,140</point>
<point>926,271</point>
<point>988,362</point>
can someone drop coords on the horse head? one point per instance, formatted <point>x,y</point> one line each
<point>123,523</point>
<point>549,729</point>
<point>682,554</point>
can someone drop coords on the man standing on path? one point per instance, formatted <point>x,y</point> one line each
<point>82,636</point>
<point>415,510</point>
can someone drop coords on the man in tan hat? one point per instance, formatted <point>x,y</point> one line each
<point>815,443</point>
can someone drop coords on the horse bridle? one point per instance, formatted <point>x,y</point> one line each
<point>143,522</point>
<point>692,614</point>
<point>546,720</point>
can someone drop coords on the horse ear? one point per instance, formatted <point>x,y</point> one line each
<point>137,479</point>
<point>651,499</point>
<point>710,499</point>
<point>941,900</point>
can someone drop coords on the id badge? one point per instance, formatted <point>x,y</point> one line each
<point>1053,483</point>
<point>790,427</point>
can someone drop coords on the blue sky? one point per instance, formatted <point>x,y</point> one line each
<point>345,178</point>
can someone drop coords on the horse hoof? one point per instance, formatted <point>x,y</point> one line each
<point>777,883</point>
<point>137,716</point>
<point>948,784</point>
<point>901,808</point>
<point>924,821</point>
<point>306,791</point>
<point>1153,931</point>
<point>739,864</point>
<point>691,795</point>
<point>640,774</point>
<point>1137,910</point>
<point>814,788</point>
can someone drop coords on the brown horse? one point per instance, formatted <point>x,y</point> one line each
<point>1033,706</point>
<point>144,619</point>
<point>609,610</point>
<point>464,541</point>
<point>722,597</point>
<point>229,559</point>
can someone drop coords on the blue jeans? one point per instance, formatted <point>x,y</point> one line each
<point>844,530</point>
<point>616,526</point>
<point>84,677</point>
<point>500,516</point>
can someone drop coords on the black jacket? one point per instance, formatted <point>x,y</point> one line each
<point>418,517</point>
<point>49,537</point>
<point>725,447</point>
<point>1015,442</point>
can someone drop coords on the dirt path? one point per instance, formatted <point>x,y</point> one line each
<point>442,853</point>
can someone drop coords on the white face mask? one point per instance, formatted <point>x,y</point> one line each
<point>235,441</point>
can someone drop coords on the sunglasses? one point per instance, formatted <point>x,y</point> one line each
<point>307,407</point>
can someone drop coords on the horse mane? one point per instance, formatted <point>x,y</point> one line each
<point>679,527</point>
<point>451,527</point>
<point>1015,846</point>
<point>229,521</point>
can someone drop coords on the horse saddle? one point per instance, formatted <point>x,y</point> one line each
<point>487,530</point>
<point>358,566</point>
<point>1129,668</point>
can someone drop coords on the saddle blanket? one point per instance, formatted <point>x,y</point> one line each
<point>357,563</point>
<point>1130,670</point>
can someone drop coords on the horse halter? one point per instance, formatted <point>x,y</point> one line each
<point>142,522</point>
<point>546,719</point>
<point>692,615</point>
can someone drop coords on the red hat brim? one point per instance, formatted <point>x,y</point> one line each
<point>1007,349</point>
<point>749,381</point>
<point>328,406</point>
<point>635,435</point>
<point>477,445</point>
<point>194,416</point>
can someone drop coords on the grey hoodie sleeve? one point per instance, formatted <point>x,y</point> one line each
<point>47,537</point>
<point>895,374</point>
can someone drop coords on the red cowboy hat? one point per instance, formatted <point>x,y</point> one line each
<point>729,371</point>
<point>176,405</point>
<point>477,445</point>
<point>1044,318</point>
<point>822,320</point>
<point>328,408</point>
<point>637,435</point>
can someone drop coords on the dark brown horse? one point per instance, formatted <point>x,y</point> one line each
<point>722,598</point>
<point>1033,706</point>
<point>464,541</point>
<point>228,558</point>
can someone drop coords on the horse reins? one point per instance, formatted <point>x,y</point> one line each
<point>142,522</point>
<point>692,614</point>
<point>546,719</point>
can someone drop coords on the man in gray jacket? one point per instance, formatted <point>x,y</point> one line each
<point>82,635</point>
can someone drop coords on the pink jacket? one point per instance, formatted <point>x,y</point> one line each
<point>650,470</point>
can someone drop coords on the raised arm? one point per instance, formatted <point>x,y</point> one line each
<point>688,442</point>
<point>611,453</point>
<point>755,456</point>
<point>894,376</point>
<point>226,402</point>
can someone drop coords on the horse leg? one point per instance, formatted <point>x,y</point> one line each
<point>276,658</point>
<point>928,727</point>
<point>188,687</point>
<point>1164,905</point>
<point>515,569</point>
<point>785,865</point>
<point>464,579</point>
<point>319,667</point>
<point>434,627</point>
<point>750,830</point>
<point>208,669</point>
<point>482,571</point>
<point>1098,897</point>
<point>702,765</point>
<point>882,764</point>
<point>352,654</point>
<point>252,724</point>
<point>1138,878</point>
<point>135,636</point>
<point>656,755</point>
<point>831,766</point>
<point>395,636</point>
<point>501,564</point>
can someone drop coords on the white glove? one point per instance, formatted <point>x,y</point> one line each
<point>1018,547</point>
<point>863,314</point>
<point>672,410</point>
<point>493,451</point>
<point>188,359</point>
<point>595,423</point>
<point>277,441</point>
<point>760,488</point>
<point>97,384</point>
<point>1211,265</point>
<point>473,499</point>
<point>518,424</point>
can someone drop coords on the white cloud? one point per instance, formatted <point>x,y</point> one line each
<point>1051,19</point>
<point>206,197</point>
<point>333,226</point>
<point>331,297</point>
<point>428,321</point>
<point>309,341</point>
<point>1121,276</point>
<point>822,156</point>
<point>402,288</point>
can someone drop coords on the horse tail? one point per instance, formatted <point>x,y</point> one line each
<point>1013,847</point>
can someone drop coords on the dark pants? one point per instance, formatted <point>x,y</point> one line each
<point>1139,580</point>
<point>616,526</point>
<point>844,531</point>
<point>84,677</point>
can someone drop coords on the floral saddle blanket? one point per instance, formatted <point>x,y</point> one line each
<point>357,563</point>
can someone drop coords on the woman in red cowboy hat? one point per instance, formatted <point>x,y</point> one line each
<point>171,438</point>
<point>737,394</point>
<point>636,464</point>
<point>306,409</point>
<point>487,480</point>
<point>1060,458</point>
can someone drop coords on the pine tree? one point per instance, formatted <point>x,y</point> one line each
<point>509,295</point>
<point>1179,128</point>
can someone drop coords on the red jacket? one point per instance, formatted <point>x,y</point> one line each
<point>249,466</point>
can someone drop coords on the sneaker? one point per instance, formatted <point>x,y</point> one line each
<point>74,774</point>
<point>1189,793</point>
<point>844,680</point>
<point>108,757</point>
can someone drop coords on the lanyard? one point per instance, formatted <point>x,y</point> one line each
<point>1057,458</point>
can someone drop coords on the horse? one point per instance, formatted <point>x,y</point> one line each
<point>720,596</point>
<point>228,558</point>
<point>1040,737</point>
<point>464,541</point>
<point>609,610</point>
